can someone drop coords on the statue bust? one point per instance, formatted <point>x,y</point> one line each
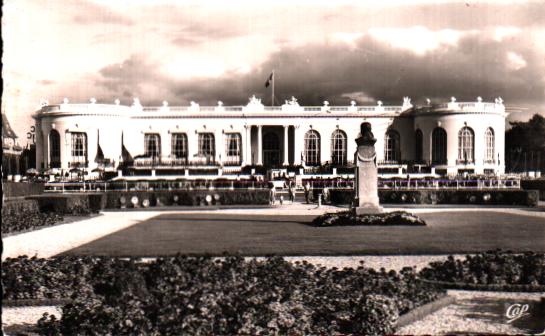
<point>366,133</point>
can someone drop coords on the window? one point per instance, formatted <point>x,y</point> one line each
<point>206,145</point>
<point>391,146</point>
<point>418,146</point>
<point>312,148</point>
<point>54,149</point>
<point>338,148</point>
<point>152,145</point>
<point>233,143</point>
<point>439,146</point>
<point>466,145</point>
<point>179,145</point>
<point>490,148</point>
<point>79,147</point>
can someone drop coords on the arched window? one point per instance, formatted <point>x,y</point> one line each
<point>179,145</point>
<point>490,148</point>
<point>79,148</point>
<point>207,146</point>
<point>338,148</point>
<point>391,146</point>
<point>312,148</point>
<point>152,145</point>
<point>233,145</point>
<point>466,145</point>
<point>418,146</point>
<point>439,146</point>
<point>54,149</point>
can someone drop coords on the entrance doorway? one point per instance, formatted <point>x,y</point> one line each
<point>271,150</point>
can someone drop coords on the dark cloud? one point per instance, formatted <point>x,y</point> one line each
<point>314,73</point>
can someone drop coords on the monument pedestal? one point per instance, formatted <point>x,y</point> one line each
<point>366,175</point>
<point>367,209</point>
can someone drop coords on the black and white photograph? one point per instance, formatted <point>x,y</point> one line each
<point>184,167</point>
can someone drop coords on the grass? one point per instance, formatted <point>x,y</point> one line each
<point>256,235</point>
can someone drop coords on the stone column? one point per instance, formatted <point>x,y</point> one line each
<point>297,145</point>
<point>260,145</point>
<point>246,143</point>
<point>220,147</point>
<point>286,149</point>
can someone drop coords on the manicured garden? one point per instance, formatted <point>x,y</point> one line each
<point>184,295</point>
<point>291,235</point>
<point>233,295</point>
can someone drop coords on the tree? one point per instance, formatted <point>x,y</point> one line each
<point>525,144</point>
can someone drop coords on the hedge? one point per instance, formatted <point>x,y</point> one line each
<point>201,295</point>
<point>534,185</point>
<point>478,197</point>
<point>23,215</point>
<point>21,189</point>
<point>189,198</point>
<point>72,204</point>
<point>495,269</point>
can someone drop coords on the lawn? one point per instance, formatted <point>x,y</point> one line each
<point>215,233</point>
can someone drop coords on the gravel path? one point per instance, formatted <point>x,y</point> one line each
<point>476,312</point>
<point>377,262</point>
<point>27,315</point>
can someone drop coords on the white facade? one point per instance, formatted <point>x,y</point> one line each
<point>181,139</point>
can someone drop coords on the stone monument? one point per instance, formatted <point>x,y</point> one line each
<point>366,175</point>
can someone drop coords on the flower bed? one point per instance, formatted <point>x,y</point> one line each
<point>181,295</point>
<point>493,270</point>
<point>348,218</point>
<point>23,215</point>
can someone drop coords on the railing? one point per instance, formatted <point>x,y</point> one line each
<point>465,162</point>
<point>232,161</point>
<point>197,184</point>
<point>174,162</point>
<point>411,184</point>
<point>112,108</point>
<point>85,108</point>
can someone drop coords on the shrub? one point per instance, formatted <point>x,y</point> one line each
<point>347,218</point>
<point>182,295</point>
<point>24,215</point>
<point>490,268</point>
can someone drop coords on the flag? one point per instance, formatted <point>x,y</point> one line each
<point>99,158</point>
<point>269,80</point>
<point>126,157</point>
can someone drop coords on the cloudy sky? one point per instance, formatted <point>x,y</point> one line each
<point>208,51</point>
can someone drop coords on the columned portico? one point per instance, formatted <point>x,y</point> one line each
<point>286,147</point>
<point>259,145</point>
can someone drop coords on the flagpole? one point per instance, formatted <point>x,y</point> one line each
<point>272,98</point>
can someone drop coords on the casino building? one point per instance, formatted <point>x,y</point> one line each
<point>188,141</point>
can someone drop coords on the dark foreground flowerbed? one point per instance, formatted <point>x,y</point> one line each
<point>492,270</point>
<point>182,295</point>
<point>346,218</point>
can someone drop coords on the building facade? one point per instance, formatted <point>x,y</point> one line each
<point>440,139</point>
